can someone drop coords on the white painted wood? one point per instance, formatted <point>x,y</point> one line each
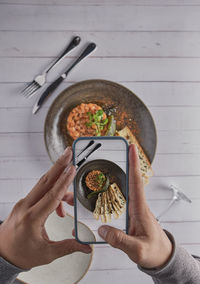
<point>89,18</point>
<point>151,47</point>
<point>125,69</point>
<point>104,2</point>
<point>110,44</point>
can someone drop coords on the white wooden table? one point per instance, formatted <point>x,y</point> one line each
<point>150,46</point>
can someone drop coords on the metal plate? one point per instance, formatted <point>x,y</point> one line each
<point>104,93</point>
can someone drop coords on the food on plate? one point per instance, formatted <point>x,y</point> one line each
<point>94,180</point>
<point>109,198</point>
<point>109,203</point>
<point>145,166</point>
<point>89,120</point>
<point>97,182</point>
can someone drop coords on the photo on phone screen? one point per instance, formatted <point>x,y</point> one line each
<point>101,184</point>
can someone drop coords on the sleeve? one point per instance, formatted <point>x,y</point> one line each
<point>181,268</point>
<point>8,271</point>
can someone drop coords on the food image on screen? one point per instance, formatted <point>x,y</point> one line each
<point>109,198</point>
<point>109,203</point>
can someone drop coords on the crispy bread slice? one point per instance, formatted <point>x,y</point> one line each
<point>97,210</point>
<point>102,208</point>
<point>117,209</point>
<point>145,165</point>
<point>116,212</point>
<point>118,196</point>
<point>106,209</point>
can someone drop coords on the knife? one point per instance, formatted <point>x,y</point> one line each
<point>87,146</point>
<point>85,158</point>
<point>57,82</point>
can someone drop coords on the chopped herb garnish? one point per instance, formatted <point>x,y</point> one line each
<point>97,120</point>
<point>100,178</point>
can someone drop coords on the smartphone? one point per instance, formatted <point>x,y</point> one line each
<point>100,185</point>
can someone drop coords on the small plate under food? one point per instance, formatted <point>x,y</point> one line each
<point>115,173</point>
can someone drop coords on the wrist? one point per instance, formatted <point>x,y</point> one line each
<point>164,255</point>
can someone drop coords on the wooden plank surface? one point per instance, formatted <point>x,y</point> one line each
<point>89,18</point>
<point>136,69</point>
<point>150,46</point>
<point>104,2</point>
<point>110,44</point>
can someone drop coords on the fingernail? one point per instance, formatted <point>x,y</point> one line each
<point>103,231</point>
<point>67,150</point>
<point>87,249</point>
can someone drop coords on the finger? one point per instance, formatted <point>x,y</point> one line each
<point>60,210</point>
<point>68,246</point>
<point>48,180</point>
<point>137,202</point>
<point>73,232</point>
<point>117,238</point>
<point>51,200</point>
<point>69,198</point>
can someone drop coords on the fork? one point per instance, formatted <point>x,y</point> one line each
<point>39,80</point>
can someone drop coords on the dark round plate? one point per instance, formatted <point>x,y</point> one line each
<point>130,111</point>
<point>115,173</point>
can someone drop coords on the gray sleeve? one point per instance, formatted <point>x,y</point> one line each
<point>8,271</point>
<point>182,268</point>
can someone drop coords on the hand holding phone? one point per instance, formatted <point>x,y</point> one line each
<point>146,243</point>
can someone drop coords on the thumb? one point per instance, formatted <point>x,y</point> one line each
<point>68,246</point>
<point>117,238</point>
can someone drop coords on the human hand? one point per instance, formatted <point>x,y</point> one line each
<point>146,243</point>
<point>23,239</point>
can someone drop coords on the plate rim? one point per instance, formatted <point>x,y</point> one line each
<point>91,258</point>
<point>99,81</point>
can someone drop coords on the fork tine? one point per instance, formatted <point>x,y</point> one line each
<point>33,90</point>
<point>27,87</point>
<point>26,92</point>
<point>30,89</point>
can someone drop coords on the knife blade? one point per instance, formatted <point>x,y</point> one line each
<point>85,158</point>
<point>91,46</point>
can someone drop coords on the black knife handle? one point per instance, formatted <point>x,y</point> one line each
<point>80,163</point>
<point>84,159</point>
<point>85,53</point>
<point>87,146</point>
<point>75,41</point>
<point>94,149</point>
<point>50,89</point>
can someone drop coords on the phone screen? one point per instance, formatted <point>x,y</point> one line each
<point>101,184</point>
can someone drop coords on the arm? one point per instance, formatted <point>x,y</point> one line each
<point>8,271</point>
<point>24,242</point>
<point>147,244</point>
<point>181,267</point>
